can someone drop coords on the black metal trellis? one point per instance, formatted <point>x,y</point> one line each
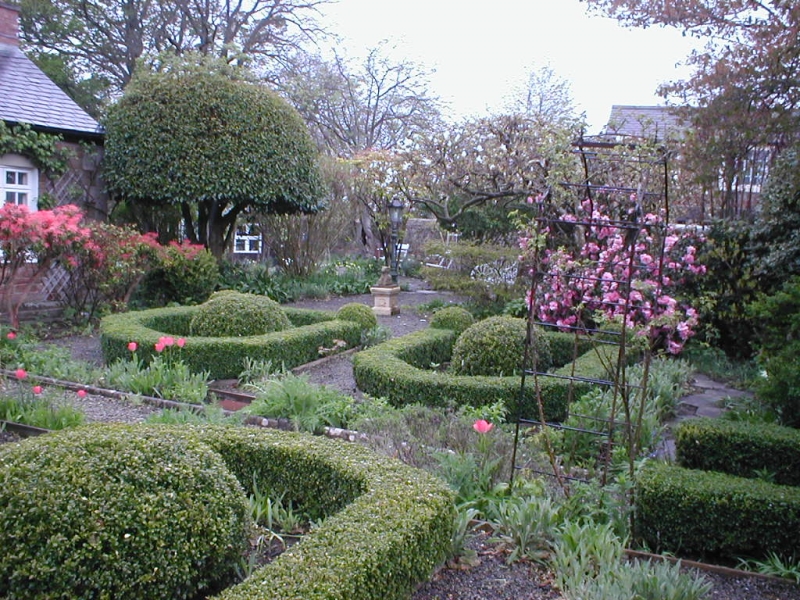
<point>604,163</point>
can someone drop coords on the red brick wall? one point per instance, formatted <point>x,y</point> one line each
<point>9,24</point>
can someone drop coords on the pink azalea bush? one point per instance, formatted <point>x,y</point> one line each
<point>589,285</point>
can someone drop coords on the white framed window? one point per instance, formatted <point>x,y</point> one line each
<point>247,240</point>
<point>19,181</point>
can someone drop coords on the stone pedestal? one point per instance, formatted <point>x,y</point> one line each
<point>386,300</point>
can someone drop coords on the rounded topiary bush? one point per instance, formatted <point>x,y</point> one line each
<point>114,512</point>
<point>454,318</point>
<point>495,346</point>
<point>233,314</point>
<point>359,313</point>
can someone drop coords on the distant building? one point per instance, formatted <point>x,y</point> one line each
<point>28,96</point>
<point>661,124</point>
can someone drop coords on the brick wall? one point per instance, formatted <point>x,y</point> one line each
<point>9,24</point>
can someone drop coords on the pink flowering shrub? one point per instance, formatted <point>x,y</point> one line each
<point>584,287</point>
<point>34,240</point>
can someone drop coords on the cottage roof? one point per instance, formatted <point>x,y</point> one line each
<point>28,96</point>
<point>655,122</point>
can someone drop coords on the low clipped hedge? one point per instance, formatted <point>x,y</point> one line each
<point>399,370</point>
<point>108,513</point>
<point>709,514</point>
<point>386,525</point>
<point>223,357</point>
<point>741,449</point>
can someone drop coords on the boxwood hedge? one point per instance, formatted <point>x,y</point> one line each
<point>106,513</point>
<point>741,449</point>
<point>386,525</point>
<point>710,514</point>
<point>399,370</point>
<point>223,357</point>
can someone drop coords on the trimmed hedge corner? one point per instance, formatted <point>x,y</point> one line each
<point>399,370</point>
<point>702,513</point>
<point>386,527</point>
<point>741,449</point>
<point>223,357</point>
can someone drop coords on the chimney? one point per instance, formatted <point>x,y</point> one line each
<point>9,24</point>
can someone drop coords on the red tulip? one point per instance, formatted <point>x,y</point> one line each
<point>21,374</point>
<point>11,335</point>
<point>132,346</point>
<point>482,426</point>
<point>37,389</point>
<point>181,342</point>
<point>81,393</point>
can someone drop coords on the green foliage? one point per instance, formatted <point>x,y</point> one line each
<point>741,449</point>
<point>183,416</point>
<point>698,513</point>
<point>374,336</point>
<point>309,407</point>
<point>778,318</point>
<point>722,294</point>
<point>387,526</point>
<point>223,357</point>
<point>41,148</point>
<point>255,278</point>
<point>399,370</point>
<point>231,314</point>
<point>496,346</point>
<point>359,313</point>
<point>776,231</point>
<point>526,526</point>
<point>788,568</point>
<point>237,146</point>
<point>719,366</point>
<point>163,377</point>
<point>184,275</point>
<point>454,318</point>
<point>115,512</point>
<point>589,564</point>
<point>39,411</point>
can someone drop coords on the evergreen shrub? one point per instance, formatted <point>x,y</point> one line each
<point>232,314</point>
<point>454,318</point>
<point>359,313</point>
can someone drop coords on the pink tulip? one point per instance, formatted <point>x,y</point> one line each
<point>81,393</point>
<point>132,346</point>
<point>181,342</point>
<point>482,426</point>
<point>21,374</point>
<point>11,335</point>
<point>159,347</point>
<point>169,341</point>
<point>37,389</point>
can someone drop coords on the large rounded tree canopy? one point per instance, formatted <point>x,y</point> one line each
<point>203,138</point>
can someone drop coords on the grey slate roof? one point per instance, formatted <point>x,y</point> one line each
<point>28,96</point>
<point>658,122</point>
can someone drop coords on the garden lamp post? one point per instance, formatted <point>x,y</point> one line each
<point>395,220</point>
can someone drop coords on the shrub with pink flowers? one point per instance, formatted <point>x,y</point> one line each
<point>589,286</point>
<point>34,239</point>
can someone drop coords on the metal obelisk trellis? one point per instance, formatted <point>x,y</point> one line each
<point>630,179</point>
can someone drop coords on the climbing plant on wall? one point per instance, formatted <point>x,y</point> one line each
<point>41,148</point>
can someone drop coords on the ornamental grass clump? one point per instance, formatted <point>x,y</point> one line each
<point>233,314</point>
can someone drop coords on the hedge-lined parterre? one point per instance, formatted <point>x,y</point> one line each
<point>223,357</point>
<point>386,525</point>
<point>400,370</point>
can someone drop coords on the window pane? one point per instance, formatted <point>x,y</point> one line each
<point>22,178</point>
<point>10,198</point>
<point>22,198</point>
<point>10,177</point>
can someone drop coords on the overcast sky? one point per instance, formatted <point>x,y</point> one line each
<point>481,50</point>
